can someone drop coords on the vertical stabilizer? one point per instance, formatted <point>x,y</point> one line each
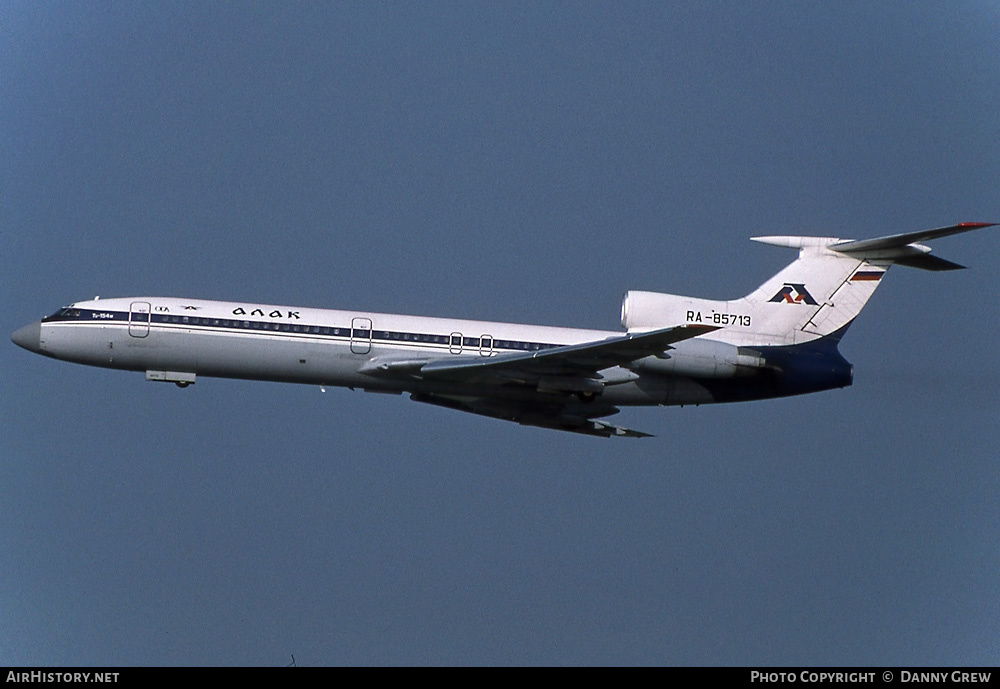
<point>816,295</point>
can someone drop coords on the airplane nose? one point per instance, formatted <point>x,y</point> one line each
<point>29,337</point>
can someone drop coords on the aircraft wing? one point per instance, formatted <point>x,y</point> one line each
<point>560,413</point>
<point>584,359</point>
<point>571,373</point>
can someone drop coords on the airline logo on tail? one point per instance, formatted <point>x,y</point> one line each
<point>793,293</point>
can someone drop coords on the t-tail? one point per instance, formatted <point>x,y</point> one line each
<point>818,295</point>
<point>782,338</point>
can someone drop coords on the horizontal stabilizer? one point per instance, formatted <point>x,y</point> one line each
<point>928,262</point>
<point>904,249</point>
<point>897,241</point>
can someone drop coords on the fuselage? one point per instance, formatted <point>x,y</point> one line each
<point>279,343</point>
<point>180,340</point>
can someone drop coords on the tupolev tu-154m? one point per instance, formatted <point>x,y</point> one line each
<point>779,340</point>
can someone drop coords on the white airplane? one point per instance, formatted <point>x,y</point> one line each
<point>779,340</point>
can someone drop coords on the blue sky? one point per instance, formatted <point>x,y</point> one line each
<point>522,162</point>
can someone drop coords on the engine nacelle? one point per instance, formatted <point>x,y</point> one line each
<point>698,357</point>
<point>701,358</point>
<point>648,310</point>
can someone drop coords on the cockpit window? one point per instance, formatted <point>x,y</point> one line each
<point>64,313</point>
